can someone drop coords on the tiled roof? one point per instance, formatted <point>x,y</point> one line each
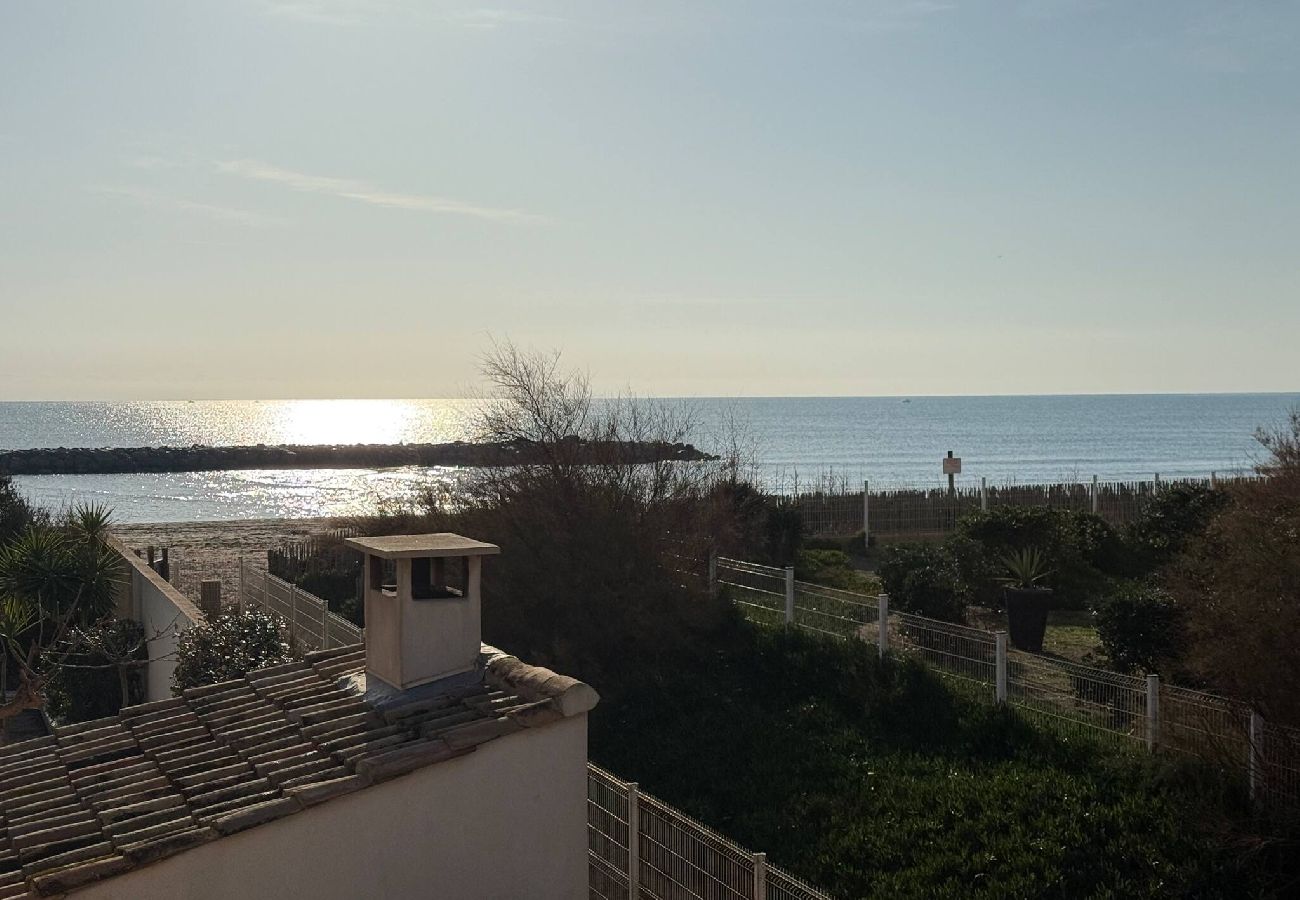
<point>99,798</point>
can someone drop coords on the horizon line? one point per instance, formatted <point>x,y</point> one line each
<point>919,396</point>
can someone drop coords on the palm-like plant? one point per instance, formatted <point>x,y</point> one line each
<point>1026,568</point>
<point>53,579</point>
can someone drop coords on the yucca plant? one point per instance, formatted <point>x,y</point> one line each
<point>54,578</point>
<point>1026,569</point>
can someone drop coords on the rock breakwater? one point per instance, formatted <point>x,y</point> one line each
<point>203,458</point>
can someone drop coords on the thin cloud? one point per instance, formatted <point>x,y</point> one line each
<point>489,19</point>
<point>323,12</point>
<point>362,192</point>
<point>155,200</point>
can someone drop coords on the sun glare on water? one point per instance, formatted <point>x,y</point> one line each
<point>349,422</point>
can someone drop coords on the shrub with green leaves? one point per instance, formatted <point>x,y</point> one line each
<point>1082,551</point>
<point>831,568</point>
<point>1141,628</point>
<point>922,579</point>
<point>102,674</point>
<point>1176,515</point>
<point>16,514</point>
<point>881,780</point>
<point>231,647</point>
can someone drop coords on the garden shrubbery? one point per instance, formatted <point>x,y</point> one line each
<point>923,579</point>
<point>1110,571</point>
<point>875,779</point>
<point>231,647</point>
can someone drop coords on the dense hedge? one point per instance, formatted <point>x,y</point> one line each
<point>878,780</point>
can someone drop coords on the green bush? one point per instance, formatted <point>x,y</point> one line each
<point>92,684</point>
<point>831,568</point>
<point>1141,628</point>
<point>1169,521</point>
<point>231,647</point>
<point>16,514</point>
<point>922,579</point>
<point>876,780</point>
<point>1082,551</point>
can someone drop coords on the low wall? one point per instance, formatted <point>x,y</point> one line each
<point>163,611</point>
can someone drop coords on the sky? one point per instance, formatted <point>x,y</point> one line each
<point>352,198</point>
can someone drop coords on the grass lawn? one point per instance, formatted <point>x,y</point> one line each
<point>881,780</point>
<point>1070,633</point>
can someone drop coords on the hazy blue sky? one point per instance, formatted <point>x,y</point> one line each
<point>252,198</point>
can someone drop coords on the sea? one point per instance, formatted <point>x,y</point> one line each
<point>796,442</point>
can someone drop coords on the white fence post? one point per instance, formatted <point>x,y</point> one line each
<point>266,592</point>
<point>866,515</point>
<point>984,494</point>
<point>760,876</point>
<point>883,640</point>
<point>293,614</point>
<point>1000,668</point>
<point>713,573</point>
<point>1254,764</point>
<point>633,842</point>
<point>1153,712</point>
<point>789,595</point>
<point>243,586</point>
<point>1096,497</point>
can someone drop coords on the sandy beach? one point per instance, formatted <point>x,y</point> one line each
<point>202,550</point>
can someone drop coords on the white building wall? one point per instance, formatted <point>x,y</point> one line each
<point>506,822</point>
<point>163,611</point>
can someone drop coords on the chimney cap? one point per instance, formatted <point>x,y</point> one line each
<point>404,546</point>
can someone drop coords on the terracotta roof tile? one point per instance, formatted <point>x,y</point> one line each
<point>97,798</point>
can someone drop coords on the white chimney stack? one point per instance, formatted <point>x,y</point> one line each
<point>423,606</point>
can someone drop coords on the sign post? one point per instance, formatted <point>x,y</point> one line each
<point>952,468</point>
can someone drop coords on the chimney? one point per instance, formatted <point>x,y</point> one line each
<point>423,609</point>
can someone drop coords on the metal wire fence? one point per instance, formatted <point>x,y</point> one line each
<point>773,596</point>
<point>1134,710</point>
<point>966,653</point>
<point>640,848</point>
<point>310,623</point>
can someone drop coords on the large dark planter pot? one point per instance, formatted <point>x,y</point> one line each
<point>1027,616</point>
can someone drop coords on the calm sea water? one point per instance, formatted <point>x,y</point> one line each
<point>888,440</point>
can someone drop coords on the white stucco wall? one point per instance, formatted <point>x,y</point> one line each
<point>163,611</point>
<point>506,822</point>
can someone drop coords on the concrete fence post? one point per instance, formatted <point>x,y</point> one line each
<point>266,592</point>
<point>1000,666</point>
<point>293,614</point>
<point>984,494</point>
<point>633,842</point>
<point>866,515</point>
<point>1214,480</point>
<point>760,876</point>
<point>713,573</point>
<point>882,641</point>
<point>1255,761</point>
<point>789,595</point>
<point>1096,496</point>
<point>1153,712</point>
